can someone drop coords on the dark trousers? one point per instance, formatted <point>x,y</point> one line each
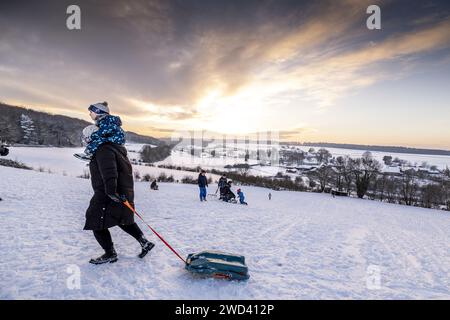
<point>103,237</point>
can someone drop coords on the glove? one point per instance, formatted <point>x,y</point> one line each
<point>117,197</point>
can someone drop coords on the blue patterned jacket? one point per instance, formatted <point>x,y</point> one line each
<point>109,130</point>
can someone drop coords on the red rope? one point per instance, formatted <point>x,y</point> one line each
<point>164,241</point>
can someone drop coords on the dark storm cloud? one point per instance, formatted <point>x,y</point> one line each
<point>167,52</point>
<point>171,53</point>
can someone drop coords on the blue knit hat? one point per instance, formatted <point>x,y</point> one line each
<point>99,108</point>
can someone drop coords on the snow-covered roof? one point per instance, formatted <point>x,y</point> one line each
<point>391,169</point>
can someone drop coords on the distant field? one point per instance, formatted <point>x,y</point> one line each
<point>186,159</point>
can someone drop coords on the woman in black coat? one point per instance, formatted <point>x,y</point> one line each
<point>112,181</point>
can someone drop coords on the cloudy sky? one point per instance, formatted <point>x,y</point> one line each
<point>309,69</point>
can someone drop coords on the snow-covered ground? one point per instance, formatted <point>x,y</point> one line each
<point>62,161</point>
<point>298,245</point>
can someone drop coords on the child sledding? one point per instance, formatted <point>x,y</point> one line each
<point>241,197</point>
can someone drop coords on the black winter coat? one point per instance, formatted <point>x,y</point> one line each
<point>222,182</point>
<point>111,173</point>
<point>227,192</point>
<point>202,181</point>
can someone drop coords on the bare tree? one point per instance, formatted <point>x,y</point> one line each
<point>323,174</point>
<point>409,187</point>
<point>366,169</point>
<point>323,155</point>
<point>292,157</point>
<point>380,184</point>
<point>446,172</point>
<point>344,172</point>
<point>445,187</point>
<point>431,195</point>
<point>391,188</point>
<point>387,160</point>
<point>339,173</point>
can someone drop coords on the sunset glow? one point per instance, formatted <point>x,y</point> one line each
<point>310,69</point>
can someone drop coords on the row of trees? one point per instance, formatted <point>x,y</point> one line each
<point>297,156</point>
<point>412,189</point>
<point>347,171</point>
<point>364,177</point>
<point>323,156</point>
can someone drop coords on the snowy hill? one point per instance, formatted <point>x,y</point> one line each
<point>27,126</point>
<point>298,245</point>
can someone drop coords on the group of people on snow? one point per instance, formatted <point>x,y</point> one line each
<point>224,188</point>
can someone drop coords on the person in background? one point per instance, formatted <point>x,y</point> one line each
<point>4,151</point>
<point>202,184</point>
<point>241,197</point>
<point>221,184</point>
<point>228,195</point>
<point>270,196</point>
<point>154,186</point>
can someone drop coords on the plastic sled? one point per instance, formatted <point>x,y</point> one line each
<point>218,265</point>
<point>230,201</point>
